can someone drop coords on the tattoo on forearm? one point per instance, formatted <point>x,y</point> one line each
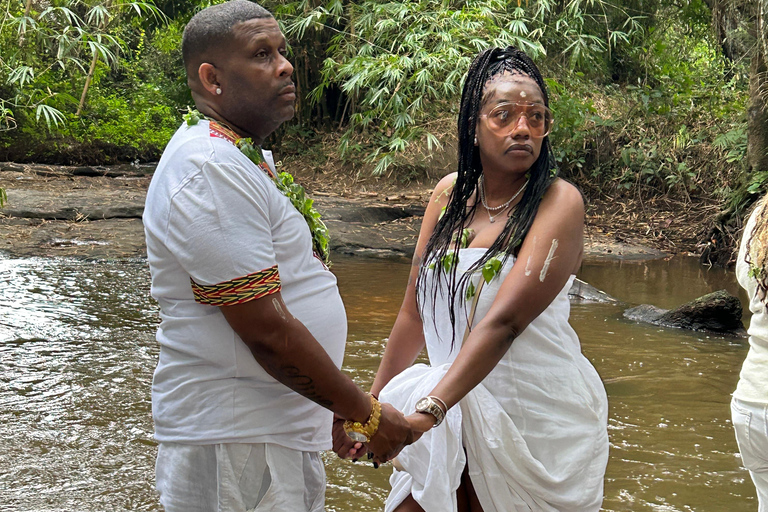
<point>302,384</point>
<point>415,263</point>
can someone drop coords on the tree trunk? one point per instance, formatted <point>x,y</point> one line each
<point>27,10</point>
<point>757,114</point>
<point>87,82</point>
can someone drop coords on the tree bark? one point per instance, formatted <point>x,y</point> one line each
<point>87,82</point>
<point>757,111</point>
<point>27,10</point>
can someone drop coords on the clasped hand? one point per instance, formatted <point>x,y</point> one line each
<point>395,432</point>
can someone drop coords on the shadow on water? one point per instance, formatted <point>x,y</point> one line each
<point>77,352</point>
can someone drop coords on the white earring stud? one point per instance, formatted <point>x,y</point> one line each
<point>218,90</point>
<point>475,141</point>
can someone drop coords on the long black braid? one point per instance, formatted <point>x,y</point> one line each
<point>486,65</point>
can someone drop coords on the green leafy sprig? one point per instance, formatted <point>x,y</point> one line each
<point>290,189</point>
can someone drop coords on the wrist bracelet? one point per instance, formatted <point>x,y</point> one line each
<point>364,432</point>
<point>440,401</point>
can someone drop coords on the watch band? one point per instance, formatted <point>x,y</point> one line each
<point>364,432</point>
<point>428,405</point>
<point>445,406</point>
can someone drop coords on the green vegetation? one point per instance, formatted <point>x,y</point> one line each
<point>650,97</point>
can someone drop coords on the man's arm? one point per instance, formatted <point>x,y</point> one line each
<point>286,349</point>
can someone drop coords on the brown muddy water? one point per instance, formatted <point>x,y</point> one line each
<point>77,352</point>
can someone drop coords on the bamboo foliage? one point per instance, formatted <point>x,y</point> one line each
<point>399,66</point>
<point>55,42</point>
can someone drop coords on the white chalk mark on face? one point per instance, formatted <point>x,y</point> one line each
<point>528,263</point>
<point>523,94</point>
<point>279,308</point>
<point>549,259</point>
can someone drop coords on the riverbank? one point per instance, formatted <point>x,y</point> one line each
<point>95,213</point>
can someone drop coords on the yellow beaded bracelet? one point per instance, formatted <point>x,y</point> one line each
<point>363,433</point>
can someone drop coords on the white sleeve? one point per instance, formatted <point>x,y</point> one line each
<point>220,231</point>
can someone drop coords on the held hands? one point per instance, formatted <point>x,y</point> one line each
<point>395,432</point>
<point>393,435</point>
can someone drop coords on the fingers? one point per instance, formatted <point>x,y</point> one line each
<point>342,444</point>
<point>394,433</point>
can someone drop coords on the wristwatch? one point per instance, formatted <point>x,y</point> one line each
<point>428,405</point>
<point>364,432</point>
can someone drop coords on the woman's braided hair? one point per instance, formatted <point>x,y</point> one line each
<point>444,239</point>
<point>757,249</point>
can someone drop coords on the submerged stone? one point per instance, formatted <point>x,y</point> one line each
<point>715,312</point>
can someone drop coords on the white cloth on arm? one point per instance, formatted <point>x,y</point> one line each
<point>239,478</point>
<point>753,379</point>
<point>535,429</point>
<point>749,406</point>
<point>213,216</point>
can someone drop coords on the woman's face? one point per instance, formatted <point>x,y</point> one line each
<point>517,149</point>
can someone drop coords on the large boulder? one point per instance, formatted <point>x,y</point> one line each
<point>718,312</point>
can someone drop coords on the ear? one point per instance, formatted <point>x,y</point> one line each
<point>208,76</point>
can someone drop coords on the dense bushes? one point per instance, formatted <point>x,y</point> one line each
<point>644,98</point>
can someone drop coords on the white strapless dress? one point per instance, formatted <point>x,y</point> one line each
<point>535,429</point>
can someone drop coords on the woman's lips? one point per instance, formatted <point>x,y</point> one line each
<point>520,147</point>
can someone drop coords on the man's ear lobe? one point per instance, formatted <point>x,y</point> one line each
<point>208,77</point>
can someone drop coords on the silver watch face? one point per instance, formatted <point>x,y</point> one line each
<point>422,405</point>
<point>357,436</point>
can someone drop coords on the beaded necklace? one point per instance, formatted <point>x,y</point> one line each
<point>283,180</point>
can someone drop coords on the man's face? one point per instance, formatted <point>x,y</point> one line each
<point>258,94</point>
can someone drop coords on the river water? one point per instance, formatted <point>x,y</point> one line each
<point>77,352</point>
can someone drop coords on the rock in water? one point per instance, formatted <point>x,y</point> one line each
<point>717,312</point>
<point>584,292</point>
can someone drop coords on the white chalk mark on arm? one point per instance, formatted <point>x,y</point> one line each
<point>549,259</point>
<point>528,263</point>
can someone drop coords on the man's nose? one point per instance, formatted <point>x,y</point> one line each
<point>285,67</point>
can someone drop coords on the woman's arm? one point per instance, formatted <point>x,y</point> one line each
<point>551,252</point>
<point>407,338</point>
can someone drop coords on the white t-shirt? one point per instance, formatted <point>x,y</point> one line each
<point>216,222</point>
<point>753,380</point>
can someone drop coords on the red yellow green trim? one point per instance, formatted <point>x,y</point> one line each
<point>222,132</point>
<point>242,289</point>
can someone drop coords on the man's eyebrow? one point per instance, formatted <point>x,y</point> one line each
<point>264,37</point>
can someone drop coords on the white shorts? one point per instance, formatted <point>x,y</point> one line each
<point>750,420</point>
<point>239,478</point>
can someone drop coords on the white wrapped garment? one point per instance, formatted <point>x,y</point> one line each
<point>534,431</point>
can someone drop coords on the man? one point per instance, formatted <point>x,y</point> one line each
<point>253,327</point>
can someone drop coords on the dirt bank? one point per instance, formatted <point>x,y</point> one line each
<point>95,212</point>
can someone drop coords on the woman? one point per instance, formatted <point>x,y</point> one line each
<point>502,236</point>
<point>749,406</point>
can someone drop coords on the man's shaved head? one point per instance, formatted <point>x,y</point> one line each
<point>211,29</point>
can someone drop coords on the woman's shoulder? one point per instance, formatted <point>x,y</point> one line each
<point>563,194</point>
<point>445,185</point>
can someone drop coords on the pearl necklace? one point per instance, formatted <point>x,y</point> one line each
<point>500,208</point>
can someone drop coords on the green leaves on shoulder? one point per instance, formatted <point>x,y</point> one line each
<point>756,272</point>
<point>298,197</point>
<point>192,117</point>
<point>285,184</point>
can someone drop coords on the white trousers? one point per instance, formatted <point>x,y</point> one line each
<point>239,478</point>
<point>750,420</point>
